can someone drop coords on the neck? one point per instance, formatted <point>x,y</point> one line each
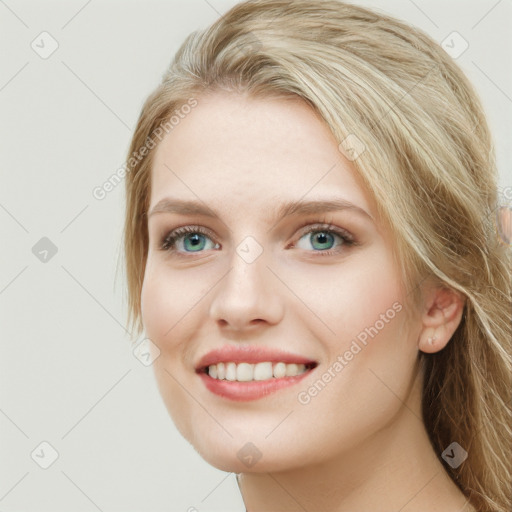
<point>394,469</point>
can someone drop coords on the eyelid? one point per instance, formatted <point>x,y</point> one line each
<point>327,226</point>
<point>181,231</point>
<point>305,228</point>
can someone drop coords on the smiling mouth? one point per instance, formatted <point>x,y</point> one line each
<point>246,373</point>
<point>243,381</point>
<point>253,372</point>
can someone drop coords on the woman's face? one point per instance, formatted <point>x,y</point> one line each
<point>320,286</point>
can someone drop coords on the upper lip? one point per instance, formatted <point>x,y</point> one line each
<point>250,354</point>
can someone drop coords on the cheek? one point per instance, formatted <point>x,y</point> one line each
<point>375,335</point>
<point>164,309</point>
<point>168,299</point>
<point>156,306</point>
<point>366,292</point>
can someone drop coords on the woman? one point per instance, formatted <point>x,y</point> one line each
<point>341,339</point>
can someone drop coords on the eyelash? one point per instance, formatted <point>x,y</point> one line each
<point>169,240</point>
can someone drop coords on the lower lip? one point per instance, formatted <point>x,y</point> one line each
<point>253,390</point>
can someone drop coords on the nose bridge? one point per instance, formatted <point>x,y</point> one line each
<point>248,266</point>
<point>248,278</point>
<point>247,292</point>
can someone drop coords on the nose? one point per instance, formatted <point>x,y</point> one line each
<point>247,297</point>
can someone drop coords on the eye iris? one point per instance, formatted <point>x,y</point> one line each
<point>321,236</point>
<point>195,240</point>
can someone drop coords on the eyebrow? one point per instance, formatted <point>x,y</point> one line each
<point>179,206</point>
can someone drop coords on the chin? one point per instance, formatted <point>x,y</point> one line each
<point>234,465</point>
<point>246,457</point>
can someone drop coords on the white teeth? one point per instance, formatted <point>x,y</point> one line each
<point>279,370</point>
<point>262,371</point>
<point>246,372</point>
<point>230,371</point>
<point>294,369</point>
<point>291,370</point>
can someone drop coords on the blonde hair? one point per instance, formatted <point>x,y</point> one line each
<point>427,159</point>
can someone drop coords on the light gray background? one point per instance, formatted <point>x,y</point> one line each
<point>68,376</point>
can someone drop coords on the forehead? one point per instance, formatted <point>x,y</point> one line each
<point>250,154</point>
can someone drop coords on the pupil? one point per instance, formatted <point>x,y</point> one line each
<point>322,238</point>
<point>194,240</point>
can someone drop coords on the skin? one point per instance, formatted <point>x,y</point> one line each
<point>504,218</point>
<point>359,444</point>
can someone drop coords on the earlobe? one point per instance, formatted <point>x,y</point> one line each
<point>442,316</point>
<point>434,339</point>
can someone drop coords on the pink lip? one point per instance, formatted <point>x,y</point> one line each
<point>230,354</point>
<point>244,391</point>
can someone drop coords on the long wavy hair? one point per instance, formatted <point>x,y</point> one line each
<point>428,161</point>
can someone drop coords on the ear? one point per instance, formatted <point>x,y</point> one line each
<point>441,316</point>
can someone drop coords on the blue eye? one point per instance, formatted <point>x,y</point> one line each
<point>195,239</point>
<point>323,236</point>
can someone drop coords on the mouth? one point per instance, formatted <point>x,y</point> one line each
<point>249,372</point>
<point>243,374</point>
